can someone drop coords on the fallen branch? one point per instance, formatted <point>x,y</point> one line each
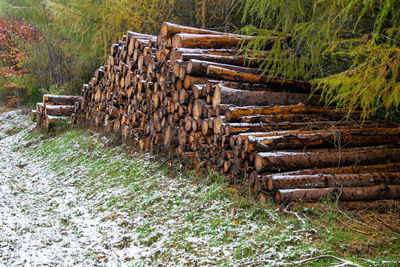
<point>253,263</point>
<point>388,226</point>
<point>299,218</point>
<point>345,262</point>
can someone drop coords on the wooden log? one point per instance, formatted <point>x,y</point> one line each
<point>59,110</point>
<point>176,53</point>
<point>226,95</point>
<point>218,52</point>
<point>275,182</point>
<point>235,128</point>
<point>190,80</point>
<point>168,29</point>
<point>285,160</point>
<point>40,107</point>
<point>233,113</point>
<point>61,99</point>
<point>49,121</point>
<point>98,75</point>
<point>389,167</point>
<point>273,82</point>
<point>324,138</point>
<point>345,194</point>
<point>199,67</point>
<point>209,40</point>
<point>35,115</point>
<point>132,36</point>
<point>239,60</point>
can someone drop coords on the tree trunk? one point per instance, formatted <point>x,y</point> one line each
<point>275,182</point>
<point>226,95</point>
<point>61,99</point>
<point>273,82</point>
<point>377,192</point>
<point>283,160</point>
<point>234,113</point>
<point>59,110</point>
<point>208,40</point>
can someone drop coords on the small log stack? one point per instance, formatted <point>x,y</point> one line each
<point>194,92</point>
<point>55,108</point>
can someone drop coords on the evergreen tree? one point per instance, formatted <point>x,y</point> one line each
<point>349,48</point>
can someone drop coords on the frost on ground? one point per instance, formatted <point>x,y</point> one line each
<point>72,199</point>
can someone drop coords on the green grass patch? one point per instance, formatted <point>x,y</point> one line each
<point>183,219</point>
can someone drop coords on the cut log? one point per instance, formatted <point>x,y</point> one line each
<point>235,128</point>
<point>324,138</point>
<point>346,193</point>
<point>209,40</point>
<point>59,110</point>
<point>273,82</point>
<point>50,120</point>
<point>283,160</point>
<point>239,60</point>
<point>190,80</point>
<point>98,75</point>
<point>61,99</point>
<point>35,115</point>
<point>389,167</point>
<point>275,182</point>
<point>226,95</point>
<point>219,52</point>
<point>234,113</point>
<point>169,29</point>
<point>199,67</point>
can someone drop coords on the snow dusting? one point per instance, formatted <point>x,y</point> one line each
<point>73,199</point>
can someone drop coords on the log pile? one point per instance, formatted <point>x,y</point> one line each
<point>195,93</point>
<point>55,108</point>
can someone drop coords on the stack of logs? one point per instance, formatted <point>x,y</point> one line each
<point>55,108</point>
<point>194,92</point>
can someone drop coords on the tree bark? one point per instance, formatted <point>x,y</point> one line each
<point>324,138</point>
<point>61,99</point>
<point>345,194</point>
<point>234,113</point>
<point>169,29</point>
<point>275,182</point>
<point>226,95</point>
<point>283,160</point>
<point>59,110</point>
<point>273,82</point>
<point>208,40</point>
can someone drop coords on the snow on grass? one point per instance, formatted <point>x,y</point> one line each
<point>74,199</point>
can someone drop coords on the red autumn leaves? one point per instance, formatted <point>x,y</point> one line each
<point>13,34</point>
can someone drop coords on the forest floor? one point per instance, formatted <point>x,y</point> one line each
<point>74,197</point>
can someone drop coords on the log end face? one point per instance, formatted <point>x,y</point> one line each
<point>204,127</point>
<point>270,184</point>
<point>228,115</point>
<point>176,41</point>
<point>189,67</point>
<point>216,100</point>
<point>217,125</point>
<point>278,197</point>
<point>164,30</point>
<point>258,162</point>
<point>186,82</point>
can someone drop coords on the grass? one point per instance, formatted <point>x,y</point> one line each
<point>178,218</point>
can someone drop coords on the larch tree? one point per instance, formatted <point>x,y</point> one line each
<point>350,49</point>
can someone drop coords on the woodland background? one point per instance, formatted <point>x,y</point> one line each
<point>349,49</point>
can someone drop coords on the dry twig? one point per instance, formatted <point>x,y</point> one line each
<point>345,262</point>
